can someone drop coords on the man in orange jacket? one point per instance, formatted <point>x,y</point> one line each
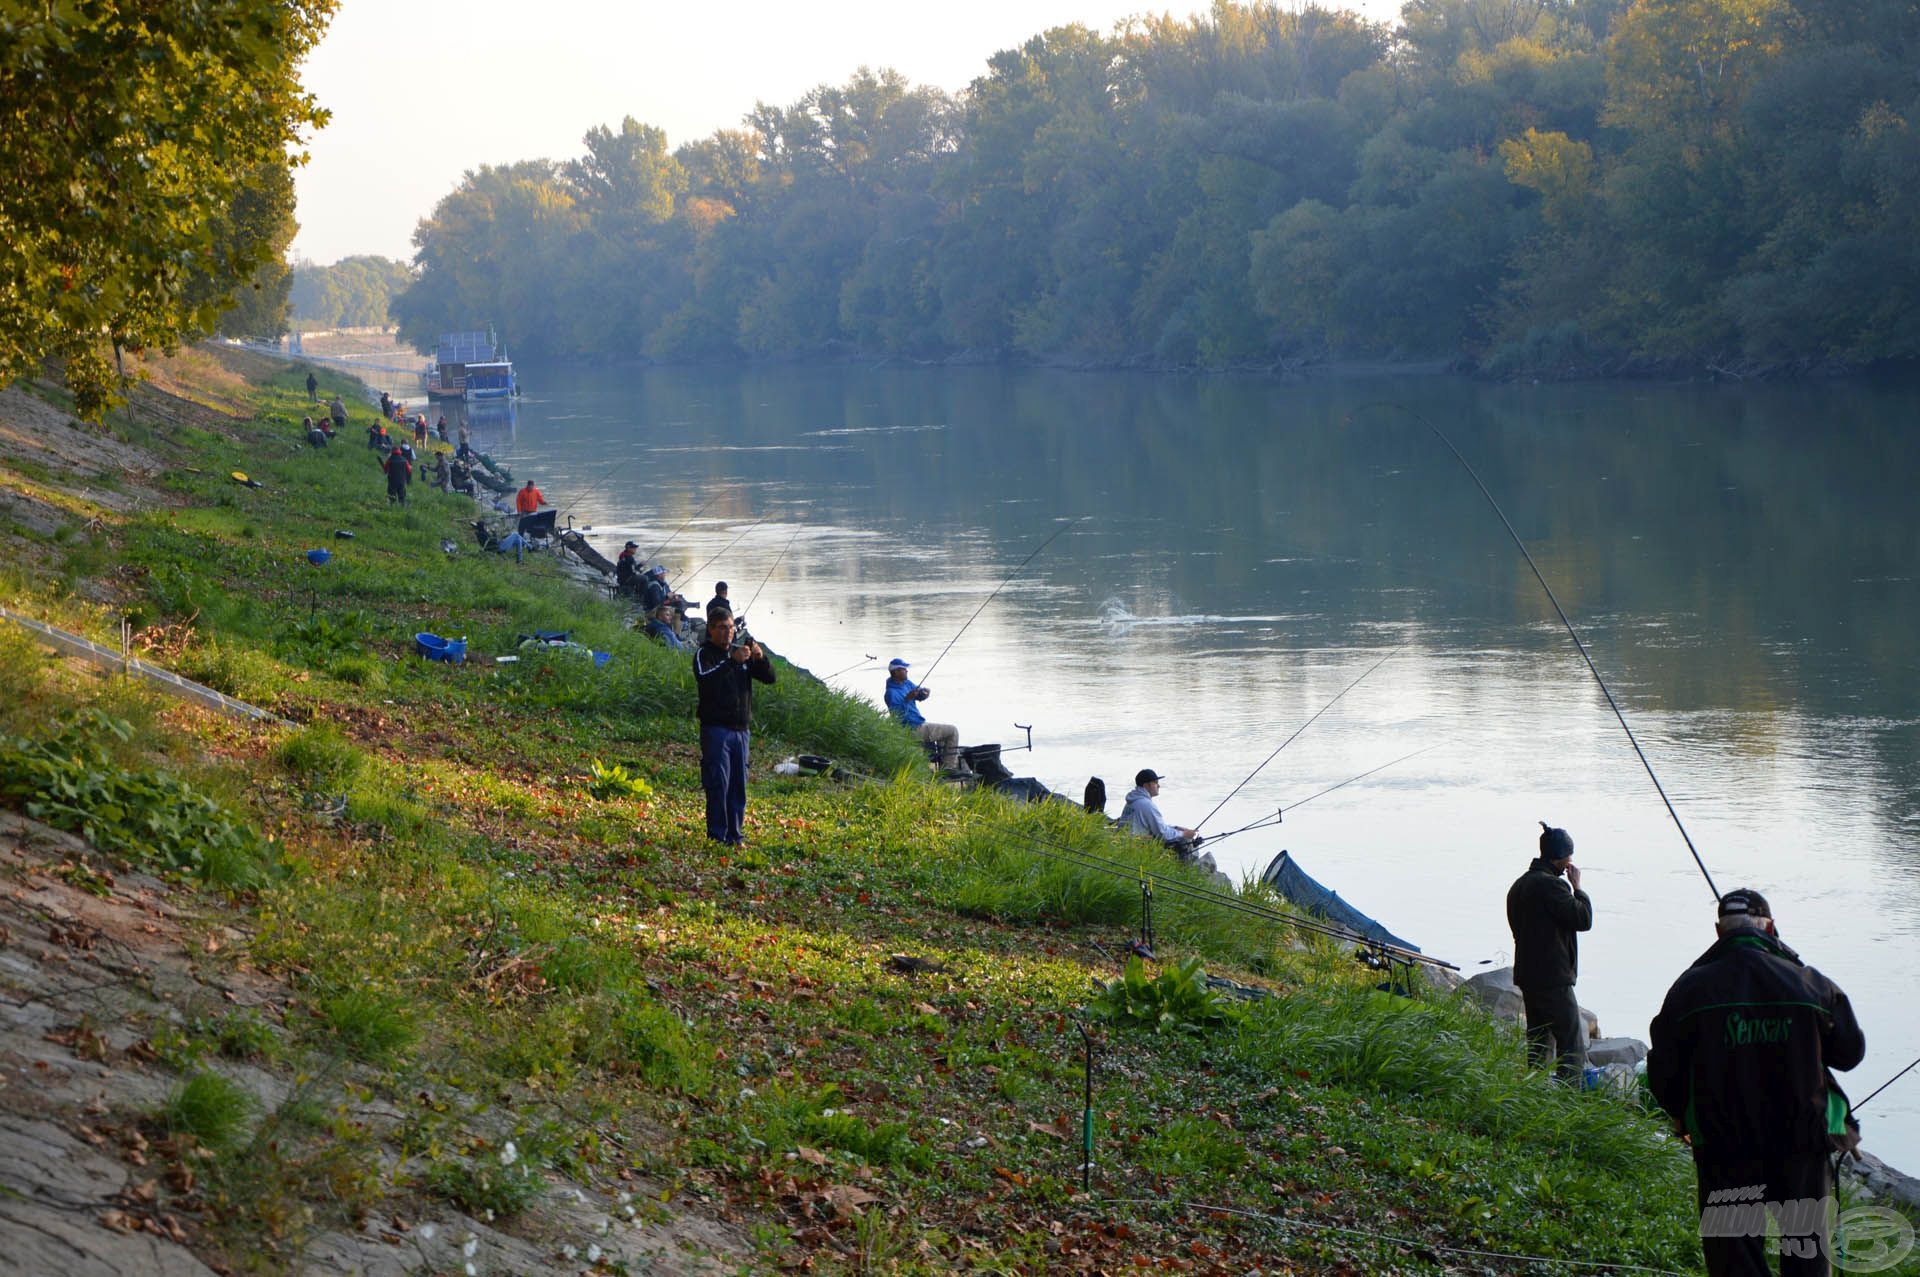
<point>529,499</point>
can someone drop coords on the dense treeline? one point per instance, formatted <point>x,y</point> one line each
<point>146,196</point>
<point>1558,185</point>
<point>354,292</point>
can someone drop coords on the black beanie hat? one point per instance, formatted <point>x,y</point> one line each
<point>1555,844</point>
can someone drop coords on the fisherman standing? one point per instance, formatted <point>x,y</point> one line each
<point>720,597</point>
<point>313,388</point>
<point>1739,1060</point>
<point>529,499</point>
<point>399,475</point>
<point>903,697</point>
<point>338,410</point>
<point>1544,915</point>
<point>724,676</point>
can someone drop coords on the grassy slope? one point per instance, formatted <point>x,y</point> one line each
<point>462,906</point>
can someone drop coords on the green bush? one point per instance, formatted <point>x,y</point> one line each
<point>320,757</point>
<point>616,782</point>
<point>371,1026</point>
<point>1175,1001</point>
<point>213,1110</point>
<point>151,819</point>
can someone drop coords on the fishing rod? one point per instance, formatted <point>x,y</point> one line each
<point>723,549</point>
<point>769,576</point>
<point>1296,735</point>
<point>654,553</point>
<point>596,485</point>
<point>1889,1082</point>
<point>1572,633</point>
<point>1277,817</point>
<point>870,659</point>
<point>996,594</point>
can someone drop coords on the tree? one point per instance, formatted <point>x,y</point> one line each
<point>128,130</point>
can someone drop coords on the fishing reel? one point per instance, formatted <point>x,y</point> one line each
<point>741,636</point>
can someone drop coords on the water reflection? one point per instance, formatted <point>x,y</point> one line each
<point>1741,562</point>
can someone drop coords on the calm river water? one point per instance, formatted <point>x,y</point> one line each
<point>1741,562</point>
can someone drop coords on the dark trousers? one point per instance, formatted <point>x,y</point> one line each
<point>1736,1199</point>
<point>723,774</point>
<point>1554,1016</point>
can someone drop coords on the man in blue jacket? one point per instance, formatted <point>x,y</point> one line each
<point>903,698</point>
<point>725,674</point>
<point>1739,1060</point>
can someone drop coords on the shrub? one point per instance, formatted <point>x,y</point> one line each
<point>320,757</point>
<point>213,1110</point>
<point>153,819</point>
<point>371,1026</point>
<point>1177,1000</point>
<point>616,782</point>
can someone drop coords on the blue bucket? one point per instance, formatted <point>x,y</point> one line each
<point>318,557</point>
<point>435,648</point>
<point>601,658</point>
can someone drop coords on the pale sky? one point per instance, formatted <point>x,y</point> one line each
<point>423,90</point>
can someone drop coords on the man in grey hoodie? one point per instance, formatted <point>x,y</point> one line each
<point>1141,814</point>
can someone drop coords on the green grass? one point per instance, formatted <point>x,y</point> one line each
<point>499,898</point>
<point>213,1110</point>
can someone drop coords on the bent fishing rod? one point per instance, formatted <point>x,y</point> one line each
<point>723,549</point>
<point>996,594</point>
<point>1889,1082</point>
<point>1296,736</point>
<point>1578,643</point>
<point>769,576</point>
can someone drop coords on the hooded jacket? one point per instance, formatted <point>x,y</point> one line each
<point>1142,815</point>
<point>1741,1050</point>
<point>1544,912</point>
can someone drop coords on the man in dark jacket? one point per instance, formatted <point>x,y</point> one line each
<point>1544,914</point>
<point>1739,1060</point>
<point>725,675</point>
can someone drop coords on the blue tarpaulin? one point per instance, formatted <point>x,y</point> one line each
<point>1292,882</point>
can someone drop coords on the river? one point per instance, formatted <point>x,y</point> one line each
<point>1741,562</point>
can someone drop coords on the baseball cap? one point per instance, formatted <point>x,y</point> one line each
<point>1745,902</point>
<point>631,545</point>
<point>897,664</point>
<point>1146,776</point>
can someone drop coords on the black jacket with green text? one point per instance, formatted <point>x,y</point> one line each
<point>1544,912</point>
<point>1741,1050</point>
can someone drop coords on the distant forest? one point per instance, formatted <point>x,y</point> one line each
<point>354,292</point>
<point>1558,187</point>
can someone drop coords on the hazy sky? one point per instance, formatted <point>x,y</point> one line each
<point>423,90</point>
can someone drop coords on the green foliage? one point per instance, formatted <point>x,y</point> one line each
<point>130,134</point>
<point>1678,180</point>
<point>241,1035</point>
<point>319,757</point>
<point>72,780</point>
<point>354,292</point>
<point>371,1025</point>
<point>488,1186</point>
<point>212,1109</point>
<point>615,781</point>
<point>1177,1000</point>
<point>1187,1145</point>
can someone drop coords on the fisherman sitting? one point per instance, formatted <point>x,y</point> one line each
<point>654,590</point>
<point>460,476</point>
<point>903,699</point>
<point>626,568</point>
<point>1141,815</point>
<point>663,625</point>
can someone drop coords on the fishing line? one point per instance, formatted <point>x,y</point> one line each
<point>1296,735</point>
<point>776,563</point>
<point>1267,821</point>
<point>1571,632</point>
<point>596,485</point>
<point>723,549</point>
<point>655,552</point>
<point>870,659</point>
<point>996,594</point>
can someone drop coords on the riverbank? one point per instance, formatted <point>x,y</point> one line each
<point>487,978</point>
